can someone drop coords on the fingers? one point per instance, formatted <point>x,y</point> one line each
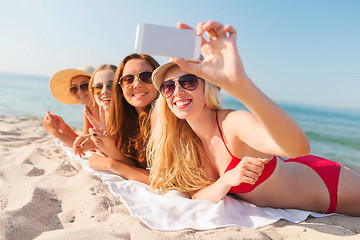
<point>251,169</point>
<point>91,119</point>
<point>200,28</point>
<point>96,137</point>
<point>265,160</point>
<point>215,29</point>
<point>229,29</point>
<point>102,115</point>
<point>255,165</point>
<point>79,144</point>
<point>183,26</point>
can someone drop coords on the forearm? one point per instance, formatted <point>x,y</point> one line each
<point>214,192</point>
<point>68,140</point>
<point>129,172</point>
<point>279,125</point>
<point>68,131</point>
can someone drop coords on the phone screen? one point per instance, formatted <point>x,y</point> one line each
<point>167,41</point>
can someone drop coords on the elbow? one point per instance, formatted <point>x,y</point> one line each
<point>301,150</point>
<point>305,148</point>
<point>199,197</point>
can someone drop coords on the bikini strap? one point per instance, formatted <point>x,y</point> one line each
<point>222,138</point>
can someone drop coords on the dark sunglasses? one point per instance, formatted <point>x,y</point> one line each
<point>99,87</point>
<point>84,87</point>
<point>128,80</point>
<point>188,82</point>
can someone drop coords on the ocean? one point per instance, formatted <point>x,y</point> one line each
<point>333,133</point>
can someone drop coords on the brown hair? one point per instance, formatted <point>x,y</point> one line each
<point>128,128</point>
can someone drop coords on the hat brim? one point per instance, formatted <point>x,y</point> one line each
<point>159,73</point>
<point>60,84</point>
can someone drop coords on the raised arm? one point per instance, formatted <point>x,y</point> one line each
<point>56,126</point>
<point>223,67</point>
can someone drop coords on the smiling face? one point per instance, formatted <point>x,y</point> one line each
<point>103,78</point>
<point>139,94</point>
<point>83,96</point>
<point>184,103</point>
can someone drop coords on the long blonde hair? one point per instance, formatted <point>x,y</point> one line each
<point>175,152</point>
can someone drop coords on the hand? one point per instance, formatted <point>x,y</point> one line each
<point>247,171</point>
<point>60,123</point>
<point>50,124</point>
<point>99,162</point>
<point>100,135</point>
<point>222,65</point>
<point>82,144</point>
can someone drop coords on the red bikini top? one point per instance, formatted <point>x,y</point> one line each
<point>247,187</point>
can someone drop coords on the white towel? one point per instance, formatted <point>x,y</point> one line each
<point>175,211</point>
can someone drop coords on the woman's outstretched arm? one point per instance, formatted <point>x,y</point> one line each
<point>223,67</point>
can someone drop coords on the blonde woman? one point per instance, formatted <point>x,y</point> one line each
<point>100,88</point>
<point>70,86</point>
<point>199,148</point>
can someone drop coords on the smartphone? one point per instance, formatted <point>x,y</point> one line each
<point>167,41</point>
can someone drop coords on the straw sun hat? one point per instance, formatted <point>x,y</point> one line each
<point>60,83</point>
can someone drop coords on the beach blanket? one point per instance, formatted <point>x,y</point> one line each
<point>175,211</point>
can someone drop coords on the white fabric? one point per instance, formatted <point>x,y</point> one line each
<point>175,211</point>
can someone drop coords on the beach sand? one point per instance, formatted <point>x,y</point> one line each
<point>45,195</point>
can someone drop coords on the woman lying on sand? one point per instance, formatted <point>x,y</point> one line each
<point>70,86</point>
<point>123,135</point>
<point>199,148</point>
<point>100,87</point>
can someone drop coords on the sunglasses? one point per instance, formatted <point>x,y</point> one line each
<point>83,87</point>
<point>188,82</point>
<point>128,80</point>
<point>97,89</point>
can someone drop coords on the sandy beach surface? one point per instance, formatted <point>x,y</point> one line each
<point>45,195</point>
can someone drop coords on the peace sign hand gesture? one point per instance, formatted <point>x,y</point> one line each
<point>100,135</point>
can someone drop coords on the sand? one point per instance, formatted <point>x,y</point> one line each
<point>45,195</point>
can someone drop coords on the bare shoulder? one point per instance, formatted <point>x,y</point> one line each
<point>234,117</point>
<point>237,124</point>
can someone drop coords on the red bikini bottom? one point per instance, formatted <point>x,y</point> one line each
<point>328,171</point>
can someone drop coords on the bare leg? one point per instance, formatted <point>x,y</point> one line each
<point>349,191</point>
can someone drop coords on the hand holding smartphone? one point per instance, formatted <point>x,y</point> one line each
<point>167,41</point>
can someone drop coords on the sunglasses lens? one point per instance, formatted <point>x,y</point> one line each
<point>109,86</point>
<point>167,88</point>
<point>127,80</point>
<point>73,90</point>
<point>145,77</point>
<point>189,82</point>
<point>98,88</point>
<point>84,87</point>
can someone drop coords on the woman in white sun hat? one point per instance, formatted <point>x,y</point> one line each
<point>70,86</point>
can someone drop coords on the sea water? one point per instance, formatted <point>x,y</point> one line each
<point>333,133</point>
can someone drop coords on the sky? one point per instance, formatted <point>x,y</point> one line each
<point>304,51</point>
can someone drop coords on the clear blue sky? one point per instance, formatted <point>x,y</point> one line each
<point>305,51</point>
